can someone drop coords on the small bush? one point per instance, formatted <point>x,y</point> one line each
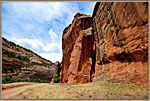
<point>8,53</point>
<point>57,79</point>
<point>4,81</point>
<point>26,59</point>
<point>34,80</point>
<point>90,95</point>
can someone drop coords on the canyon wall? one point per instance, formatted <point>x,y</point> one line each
<point>121,42</point>
<point>19,62</point>
<point>111,45</point>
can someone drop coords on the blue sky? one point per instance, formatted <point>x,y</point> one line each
<point>38,26</point>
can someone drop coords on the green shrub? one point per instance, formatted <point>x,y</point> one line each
<point>28,81</point>
<point>4,81</point>
<point>57,79</point>
<point>34,80</point>
<point>90,95</point>
<point>26,59</point>
<point>9,79</point>
<point>13,80</point>
<point>8,53</point>
<point>38,80</point>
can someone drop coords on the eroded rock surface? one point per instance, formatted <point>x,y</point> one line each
<point>77,61</point>
<point>20,62</point>
<point>121,42</point>
<point>113,48</point>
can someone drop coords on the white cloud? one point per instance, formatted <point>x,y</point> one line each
<point>52,47</point>
<point>30,43</point>
<point>52,56</point>
<point>52,34</point>
<point>42,11</point>
<point>37,45</point>
<point>29,24</point>
<point>52,51</point>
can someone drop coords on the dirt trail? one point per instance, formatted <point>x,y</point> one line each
<point>14,91</point>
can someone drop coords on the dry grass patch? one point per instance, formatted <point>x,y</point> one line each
<point>94,90</point>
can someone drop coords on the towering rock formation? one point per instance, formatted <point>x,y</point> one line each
<point>77,46</point>
<point>121,42</point>
<point>112,45</point>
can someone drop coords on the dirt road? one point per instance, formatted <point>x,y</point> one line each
<point>14,91</point>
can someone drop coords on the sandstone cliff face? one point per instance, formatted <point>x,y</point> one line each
<point>19,62</point>
<point>113,48</point>
<point>77,59</point>
<point>121,42</point>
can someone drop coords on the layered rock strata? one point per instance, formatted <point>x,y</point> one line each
<point>121,42</point>
<point>111,46</point>
<point>20,62</point>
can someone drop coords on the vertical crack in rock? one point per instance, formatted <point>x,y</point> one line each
<point>123,53</point>
<point>77,43</point>
<point>111,45</point>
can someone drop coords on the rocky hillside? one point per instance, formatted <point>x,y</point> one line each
<point>112,45</point>
<point>20,62</point>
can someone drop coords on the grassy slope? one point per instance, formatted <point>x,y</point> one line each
<point>94,90</point>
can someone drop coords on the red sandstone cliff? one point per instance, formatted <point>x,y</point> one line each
<point>112,45</point>
<point>77,60</point>
<point>121,42</point>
